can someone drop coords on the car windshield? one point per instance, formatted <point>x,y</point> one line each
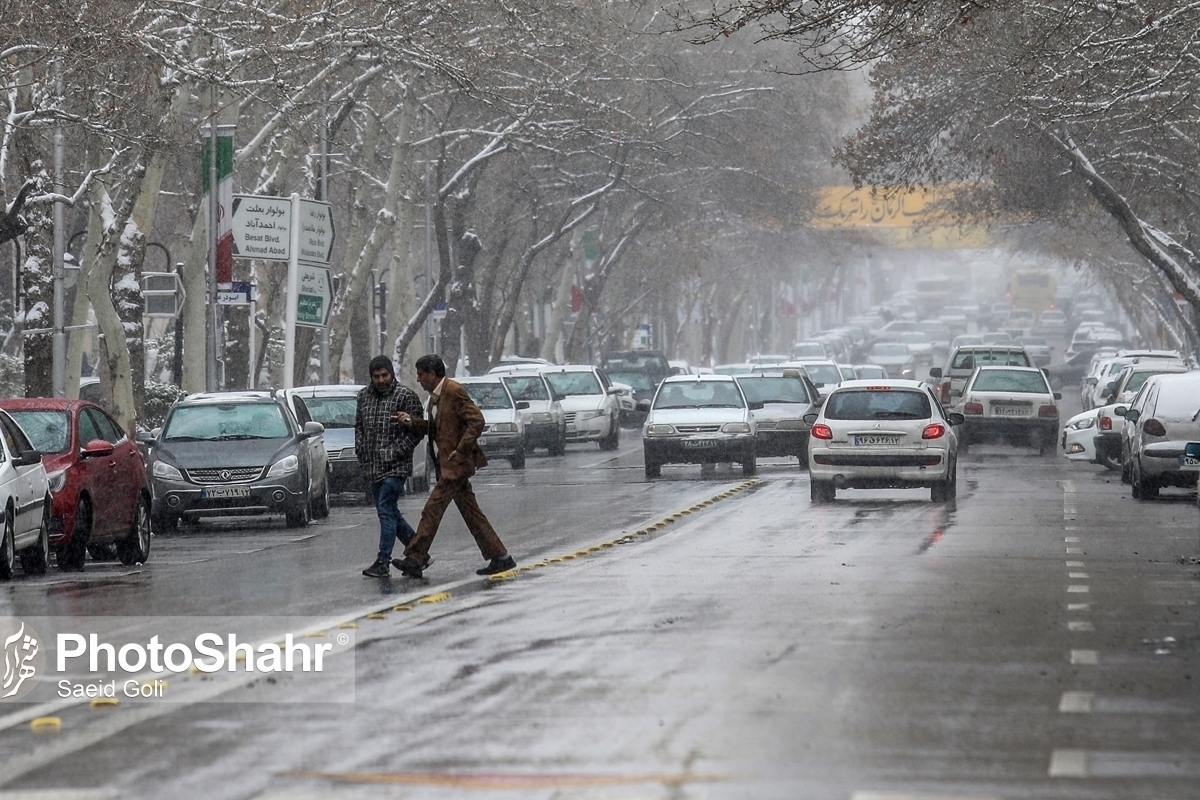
<point>224,421</point>
<point>47,430</point>
<point>526,387</point>
<point>891,351</point>
<point>732,369</point>
<point>915,337</point>
<point>1135,382</point>
<point>699,394</point>
<point>1010,380</point>
<point>332,412</point>
<point>823,373</point>
<point>996,338</point>
<point>770,389</point>
<point>1177,400</point>
<point>808,350</point>
<point>574,384</point>
<point>1033,341</point>
<point>872,404</point>
<point>637,380</point>
<point>488,395</point>
<point>981,358</point>
<point>863,373</point>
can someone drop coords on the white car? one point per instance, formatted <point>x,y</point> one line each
<point>700,419</point>
<point>1078,440</point>
<point>894,357</point>
<point>25,495</point>
<point>883,434</point>
<point>503,427</point>
<point>825,375</point>
<point>919,343</point>
<point>545,422</point>
<point>1012,403</point>
<point>1158,428</point>
<point>589,401</point>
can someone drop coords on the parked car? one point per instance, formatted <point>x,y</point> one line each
<point>100,498</point>
<point>545,422</point>
<point>883,434</point>
<point>236,454</point>
<point>25,501</point>
<point>1011,403</point>
<point>1122,390</point>
<point>1078,439</point>
<point>589,403</point>
<point>701,419</point>
<point>894,357</point>
<point>1157,431</point>
<point>780,427</point>
<point>503,427</point>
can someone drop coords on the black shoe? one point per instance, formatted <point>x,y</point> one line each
<point>497,565</point>
<point>411,567</point>
<point>378,570</point>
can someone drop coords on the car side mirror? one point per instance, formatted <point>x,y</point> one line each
<point>810,419</point>
<point>1092,381</point>
<point>96,448</point>
<point>30,457</point>
<point>643,406</point>
<point>311,429</point>
<point>935,372</point>
<point>612,390</point>
<point>146,437</point>
<point>1120,411</point>
<point>757,405</point>
<point>1192,449</point>
<point>1132,415</point>
<point>522,405</point>
<point>956,392</point>
<point>1058,395</point>
<point>955,418</point>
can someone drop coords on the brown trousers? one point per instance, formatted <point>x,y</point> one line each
<point>463,495</point>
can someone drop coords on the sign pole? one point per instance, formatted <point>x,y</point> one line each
<point>293,289</point>
<point>253,379</point>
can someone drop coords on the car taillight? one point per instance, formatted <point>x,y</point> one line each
<point>822,432</point>
<point>1154,428</point>
<point>1048,411</point>
<point>934,431</point>
<point>946,393</point>
<point>1106,423</point>
<point>973,408</point>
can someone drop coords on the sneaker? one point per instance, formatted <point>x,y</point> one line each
<point>378,570</point>
<point>497,565</point>
<point>411,567</point>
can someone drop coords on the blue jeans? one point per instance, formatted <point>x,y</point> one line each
<point>392,523</point>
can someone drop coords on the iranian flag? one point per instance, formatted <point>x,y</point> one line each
<point>224,269</point>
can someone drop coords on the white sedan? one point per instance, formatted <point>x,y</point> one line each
<point>25,499</point>
<point>1078,440</point>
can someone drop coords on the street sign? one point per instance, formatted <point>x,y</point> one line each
<point>238,294</point>
<point>163,294</point>
<point>316,231</point>
<point>262,227</point>
<point>314,297</point>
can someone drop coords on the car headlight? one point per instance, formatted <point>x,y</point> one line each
<point>1083,424</point>
<point>56,481</point>
<point>284,466</point>
<point>166,472</point>
<point>659,430</point>
<point>790,425</point>
<point>735,427</point>
<point>504,427</point>
<point>541,417</point>
<point>589,415</point>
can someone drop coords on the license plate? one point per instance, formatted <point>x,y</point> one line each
<point>1190,464</point>
<point>1010,411</point>
<point>570,428</point>
<point>698,444</point>
<point>481,441</point>
<point>874,440</point>
<point>219,492</point>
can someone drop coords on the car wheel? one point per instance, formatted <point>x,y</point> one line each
<point>70,556</point>
<point>1142,487</point>
<point>940,492</point>
<point>8,553</point>
<point>36,559</point>
<point>560,445</point>
<point>102,552</point>
<point>708,469</point>
<point>952,486</point>
<point>135,548</point>
<point>320,503</point>
<point>164,523</point>
<point>749,466</point>
<point>518,459</point>
<point>613,440</point>
<point>653,469</point>
<point>1113,464</point>
<point>821,492</point>
<point>299,517</point>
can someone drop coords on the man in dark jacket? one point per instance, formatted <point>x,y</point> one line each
<point>454,425</point>
<point>384,448</point>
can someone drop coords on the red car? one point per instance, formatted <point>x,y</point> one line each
<point>100,499</point>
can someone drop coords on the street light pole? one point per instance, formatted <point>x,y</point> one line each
<point>58,346</point>
<point>213,318</point>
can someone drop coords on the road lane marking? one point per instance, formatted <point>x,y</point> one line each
<point>1071,551</point>
<point>1070,539</point>
<point>1070,510</point>
<point>917,796</point>
<point>503,781</point>
<point>1080,626</point>
<point>1075,564</point>
<point>1076,702</point>
<point>1069,764</point>
<point>1085,657</point>
<point>1077,575</point>
<point>1078,606</point>
<point>1077,589</point>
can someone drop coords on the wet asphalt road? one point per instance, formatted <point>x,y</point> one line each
<point>1037,638</point>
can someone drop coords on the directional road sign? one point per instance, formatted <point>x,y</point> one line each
<point>314,297</point>
<point>262,227</point>
<point>316,231</point>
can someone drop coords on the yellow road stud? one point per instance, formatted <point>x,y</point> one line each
<point>377,615</point>
<point>405,607</point>
<point>315,635</point>
<point>46,724</point>
<point>104,702</point>
<point>440,597</point>
<point>348,625</point>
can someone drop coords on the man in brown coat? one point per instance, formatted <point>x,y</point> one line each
<point>453,423</point>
